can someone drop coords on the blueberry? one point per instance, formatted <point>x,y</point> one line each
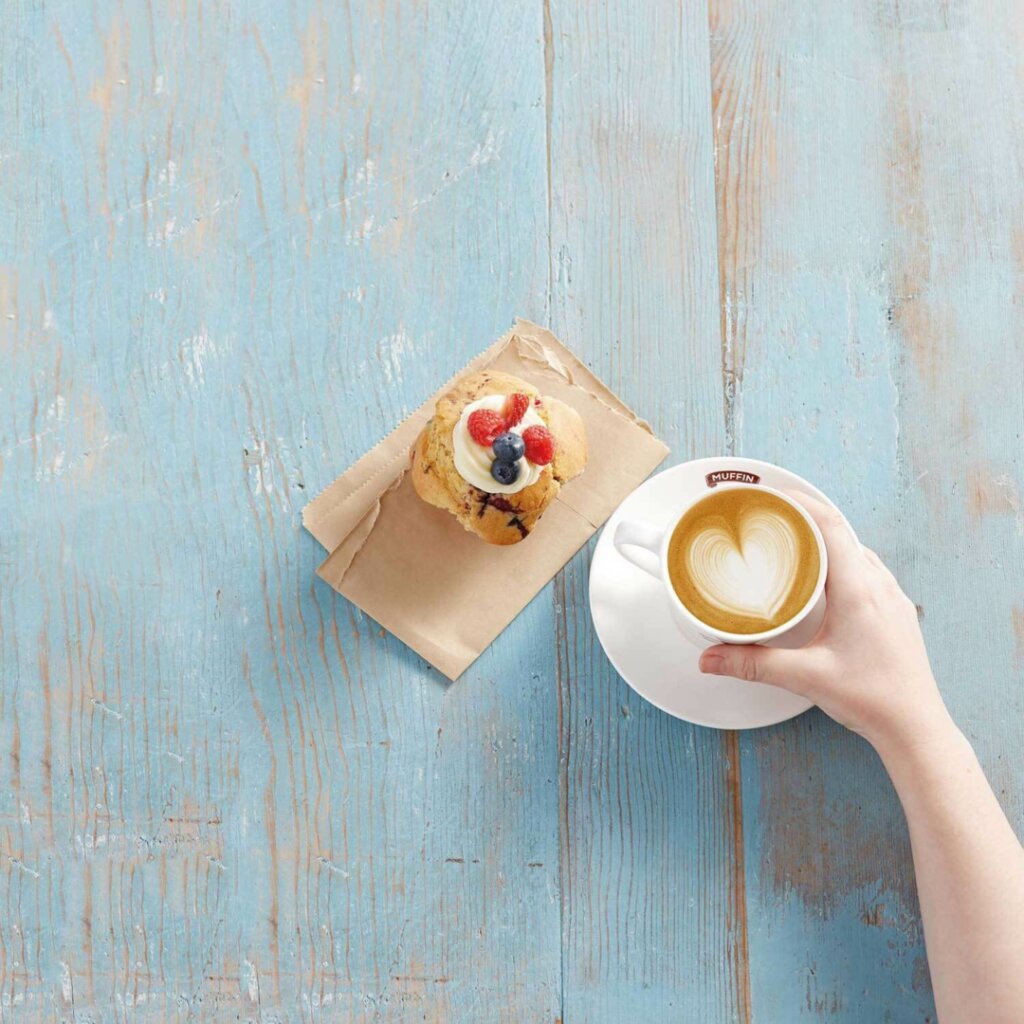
<point>505,472</point>
<point>508,447</point>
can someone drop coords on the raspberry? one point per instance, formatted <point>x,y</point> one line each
<point>540,445</point>
<point>484,426</point>
<point>516,405</point>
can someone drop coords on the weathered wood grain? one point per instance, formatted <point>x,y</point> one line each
<point>868,273</point>
<point>237,242</point>
<point>654,924</point>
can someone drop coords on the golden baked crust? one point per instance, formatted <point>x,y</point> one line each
<point>497,518</point>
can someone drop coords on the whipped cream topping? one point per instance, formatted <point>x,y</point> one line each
<point>473,461</point>
<point>751,574</point>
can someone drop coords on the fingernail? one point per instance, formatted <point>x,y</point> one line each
<point>712,663</point>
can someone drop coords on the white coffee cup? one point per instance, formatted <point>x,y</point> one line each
<point>647,548</point>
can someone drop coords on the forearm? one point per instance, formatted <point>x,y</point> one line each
<point>868,669</point>
<point>970,877</point>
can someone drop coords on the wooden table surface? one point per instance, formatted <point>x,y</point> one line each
<point>238,242</point>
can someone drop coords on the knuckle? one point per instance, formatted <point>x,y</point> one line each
<point>858,591</point>
<point>748,668</point>
<point>830,516</point>
<point>886,578</point>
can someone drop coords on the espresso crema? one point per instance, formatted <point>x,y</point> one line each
<point>743,560</point>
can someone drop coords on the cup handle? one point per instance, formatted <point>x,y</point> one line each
<point>640,544</point>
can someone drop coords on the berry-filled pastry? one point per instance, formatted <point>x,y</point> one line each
<point>496,453</point>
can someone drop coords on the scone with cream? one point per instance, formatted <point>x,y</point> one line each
<point>496,453</point>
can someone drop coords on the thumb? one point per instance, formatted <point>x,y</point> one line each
<point>776,665</point>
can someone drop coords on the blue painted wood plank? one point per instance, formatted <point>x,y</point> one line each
<point>239,242</point>
<point>654,907</point>
<point>867,269</point>
<point>809,369</point>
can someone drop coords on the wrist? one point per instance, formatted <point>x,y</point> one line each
<point>913,746</point>
<point>914,732</point>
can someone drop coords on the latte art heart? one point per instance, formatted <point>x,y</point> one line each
<point>744,560</point>
<point>749,572</point>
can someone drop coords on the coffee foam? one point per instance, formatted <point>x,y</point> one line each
<point>743,560</point>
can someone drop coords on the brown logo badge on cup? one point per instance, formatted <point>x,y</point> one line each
<point>731,476</point>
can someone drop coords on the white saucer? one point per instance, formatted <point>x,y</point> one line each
<point>636,630</point>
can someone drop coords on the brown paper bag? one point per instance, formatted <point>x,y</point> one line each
<point>414,569</point>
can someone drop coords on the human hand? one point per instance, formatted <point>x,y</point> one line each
<point>867,668</point>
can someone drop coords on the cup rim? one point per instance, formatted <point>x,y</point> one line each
<point>724,636</point>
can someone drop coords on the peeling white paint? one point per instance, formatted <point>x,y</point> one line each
<point>364,175</point>
<point>60,464</point>
<point>192,353</point>
<point>96,703</point>
<point>252,981</point>
<point>67,988</point>
<point>260,472</point>
<point>23,867</point>
<point>333,868</point>
<point>393,348</point>
<point>168,175</point>
<point>57,409</point>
